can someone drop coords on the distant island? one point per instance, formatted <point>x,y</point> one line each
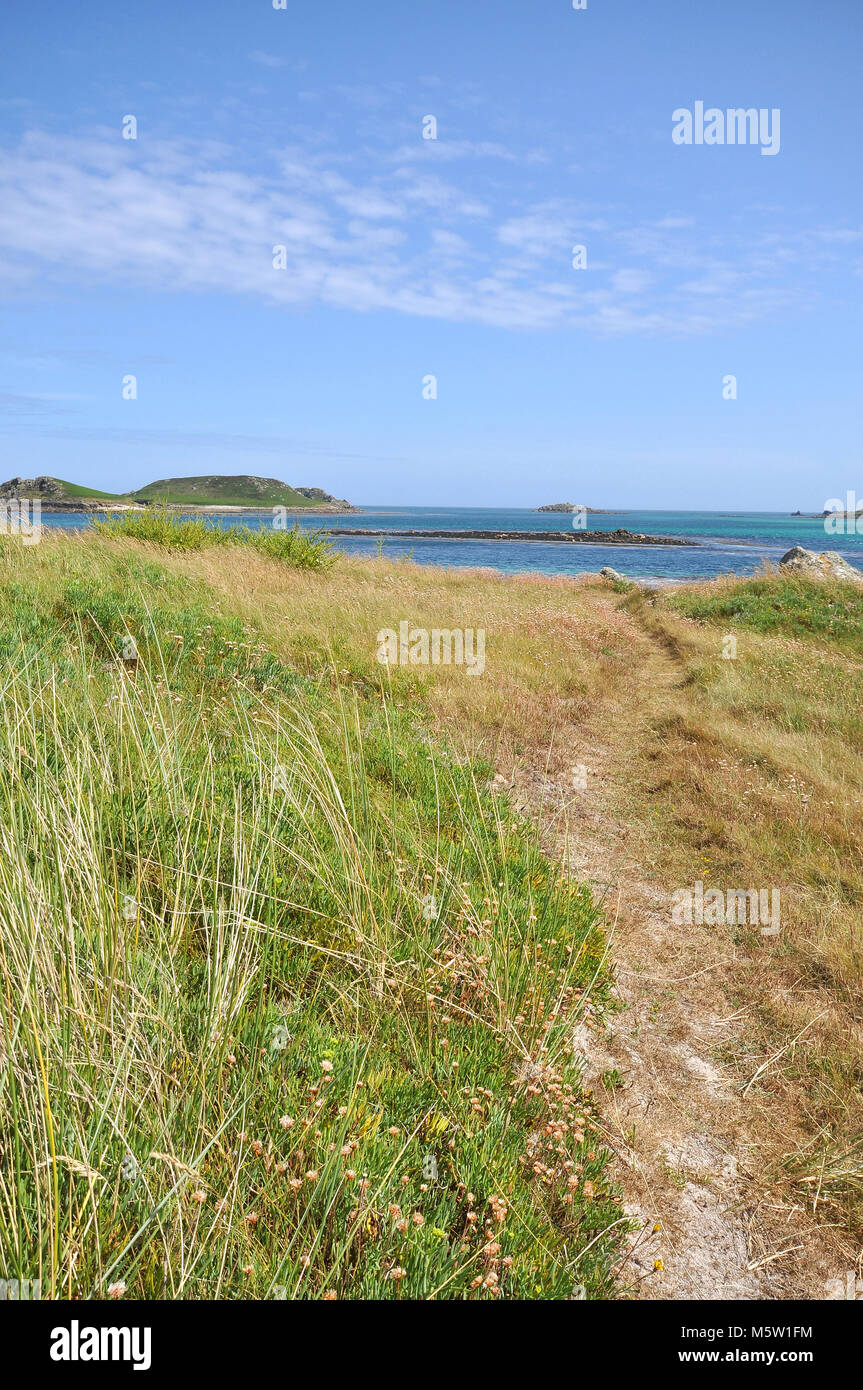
<point>573,507</point>
<point>838,512</point>
<point>214,492</point>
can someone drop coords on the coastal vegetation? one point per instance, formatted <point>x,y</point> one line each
<point>286,992</point>
<point>302,549</point>
<point>779,603</point>
<point>292,948</point>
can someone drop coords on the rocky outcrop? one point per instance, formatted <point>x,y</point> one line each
<point>53,497</point>
<point>828,565</point>
<point>43,487</point>
<point>317,494</point>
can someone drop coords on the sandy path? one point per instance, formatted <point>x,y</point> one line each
<point>691,1154</point>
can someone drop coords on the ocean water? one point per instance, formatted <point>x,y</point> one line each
<point>728,542</point>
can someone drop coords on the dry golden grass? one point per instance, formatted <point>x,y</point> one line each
<point>548,653</point>
<point>743,773</point>
<point>752,777</point>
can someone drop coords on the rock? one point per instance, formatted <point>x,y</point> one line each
<point>616,537</point>
<point>608,573</point>
<point>317,494</point>
<point>572,507</point>
<point>828,565</point>
<point>42,486</point>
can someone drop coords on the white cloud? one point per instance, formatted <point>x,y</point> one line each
<point>184,217</point>
<point>445,151</point>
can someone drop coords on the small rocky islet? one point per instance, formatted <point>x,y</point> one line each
<point>617,537</point>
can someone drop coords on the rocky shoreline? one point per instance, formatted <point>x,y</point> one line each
<point>617,537</point>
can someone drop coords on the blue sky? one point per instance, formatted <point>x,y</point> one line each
<point>450,257</point>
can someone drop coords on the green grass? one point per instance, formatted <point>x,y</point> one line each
<point>226,491</point>
<point>77,490</point>
<point>302,549</point>
<point>829,611</point>
<point>286,995</point>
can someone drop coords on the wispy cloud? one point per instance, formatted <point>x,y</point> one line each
<point>447,151</point>
<point>35,404</point>
<point>185,217</point>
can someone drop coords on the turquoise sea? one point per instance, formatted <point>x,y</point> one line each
<point>728,542</point>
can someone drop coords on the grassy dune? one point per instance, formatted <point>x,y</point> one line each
<point>286,994</point>
<point>748,774</point>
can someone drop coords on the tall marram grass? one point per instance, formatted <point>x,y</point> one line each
<point>300,548</point>
<point>286,995</point>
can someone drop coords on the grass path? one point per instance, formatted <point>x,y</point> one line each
<point>696,1149</point>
